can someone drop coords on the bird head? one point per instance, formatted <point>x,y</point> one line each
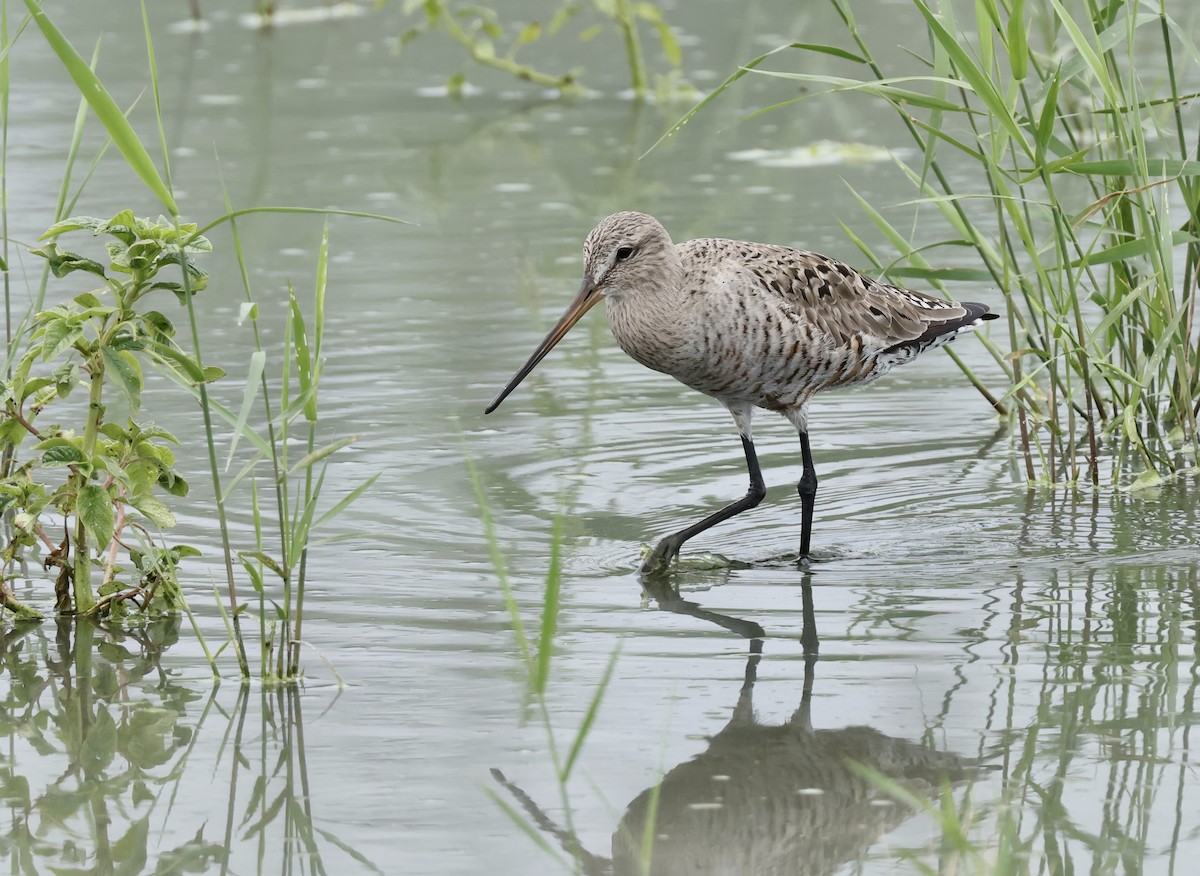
<point>623,255</point>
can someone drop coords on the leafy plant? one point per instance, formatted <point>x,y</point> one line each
<point>115,472</point>
<point>479,29</point>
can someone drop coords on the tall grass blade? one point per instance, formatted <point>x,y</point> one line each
<point>550,602</point>
<point>589,717</point>
<point>105,108</point>
<point>258,364</point>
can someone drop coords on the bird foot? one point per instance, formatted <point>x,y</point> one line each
<point>660,558</point>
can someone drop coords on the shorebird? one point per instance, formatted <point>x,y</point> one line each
<point>753,325</point>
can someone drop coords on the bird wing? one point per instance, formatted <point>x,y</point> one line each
<point>844,303</point>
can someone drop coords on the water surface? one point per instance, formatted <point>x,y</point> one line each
<point>1041,644</point>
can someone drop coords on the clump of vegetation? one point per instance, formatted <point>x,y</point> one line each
<point>1077,190</point>
<point>492,42</point>
<point>101,482</point>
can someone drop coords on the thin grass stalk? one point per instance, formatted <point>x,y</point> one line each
<point>843,11</point>
<point>208,655</point>
<point>215,474</point>
<point>156,183</point>
<point>285,622</point>
<point>264,656</point>
<point>294,658</point>
<point>633,48</point>
<point>314,371</point>
<point>279,482</point>
<point>1184,385</point>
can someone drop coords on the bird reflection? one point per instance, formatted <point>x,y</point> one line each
<point>765,799</point>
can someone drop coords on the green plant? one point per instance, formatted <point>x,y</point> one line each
<point>1079,203</point>
<point>115,472</point>
<point>479,29</point>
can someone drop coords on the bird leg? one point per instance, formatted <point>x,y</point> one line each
<point>668,548</point>
<point>807,488</point>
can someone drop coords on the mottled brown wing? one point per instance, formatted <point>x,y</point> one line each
<point>844,303</point>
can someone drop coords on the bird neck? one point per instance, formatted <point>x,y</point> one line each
<point>646,320</point>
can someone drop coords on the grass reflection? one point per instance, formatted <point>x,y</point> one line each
<point>97,743</point>
<point>106,749</point>
<point>763,798</point>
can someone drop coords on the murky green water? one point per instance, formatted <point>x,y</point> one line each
<point>1040,644</point>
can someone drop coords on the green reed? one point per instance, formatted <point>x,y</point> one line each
<point>1080,207</point>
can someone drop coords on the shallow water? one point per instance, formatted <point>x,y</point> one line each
<point>1046,641</point>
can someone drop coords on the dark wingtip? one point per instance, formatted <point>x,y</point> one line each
<point>977,311</point>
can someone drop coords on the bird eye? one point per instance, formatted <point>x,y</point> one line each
<point>624,253</point>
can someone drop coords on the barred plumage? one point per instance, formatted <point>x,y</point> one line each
<point>753,325</point>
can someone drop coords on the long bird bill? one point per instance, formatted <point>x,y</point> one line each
<point>589,294</point>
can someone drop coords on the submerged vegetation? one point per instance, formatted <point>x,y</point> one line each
<point>483,34</point>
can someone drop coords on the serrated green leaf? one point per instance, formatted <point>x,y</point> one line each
<point>127,374</point>
<point>155,509</point>
<point>173,483</point>
<point>63,262</point>
<point>58,334</point>
<point>157,325</point>
<point>75,223</point>
<point>95,509</point>
<point>113,432</point>
<point>63,454</point>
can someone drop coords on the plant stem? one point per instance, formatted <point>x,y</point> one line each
<point>565,83</point>
<point>294,668</point>
<point>633,47</point>
<point>84,600</point>
<point>9,600</point>
<point>215,471</point>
